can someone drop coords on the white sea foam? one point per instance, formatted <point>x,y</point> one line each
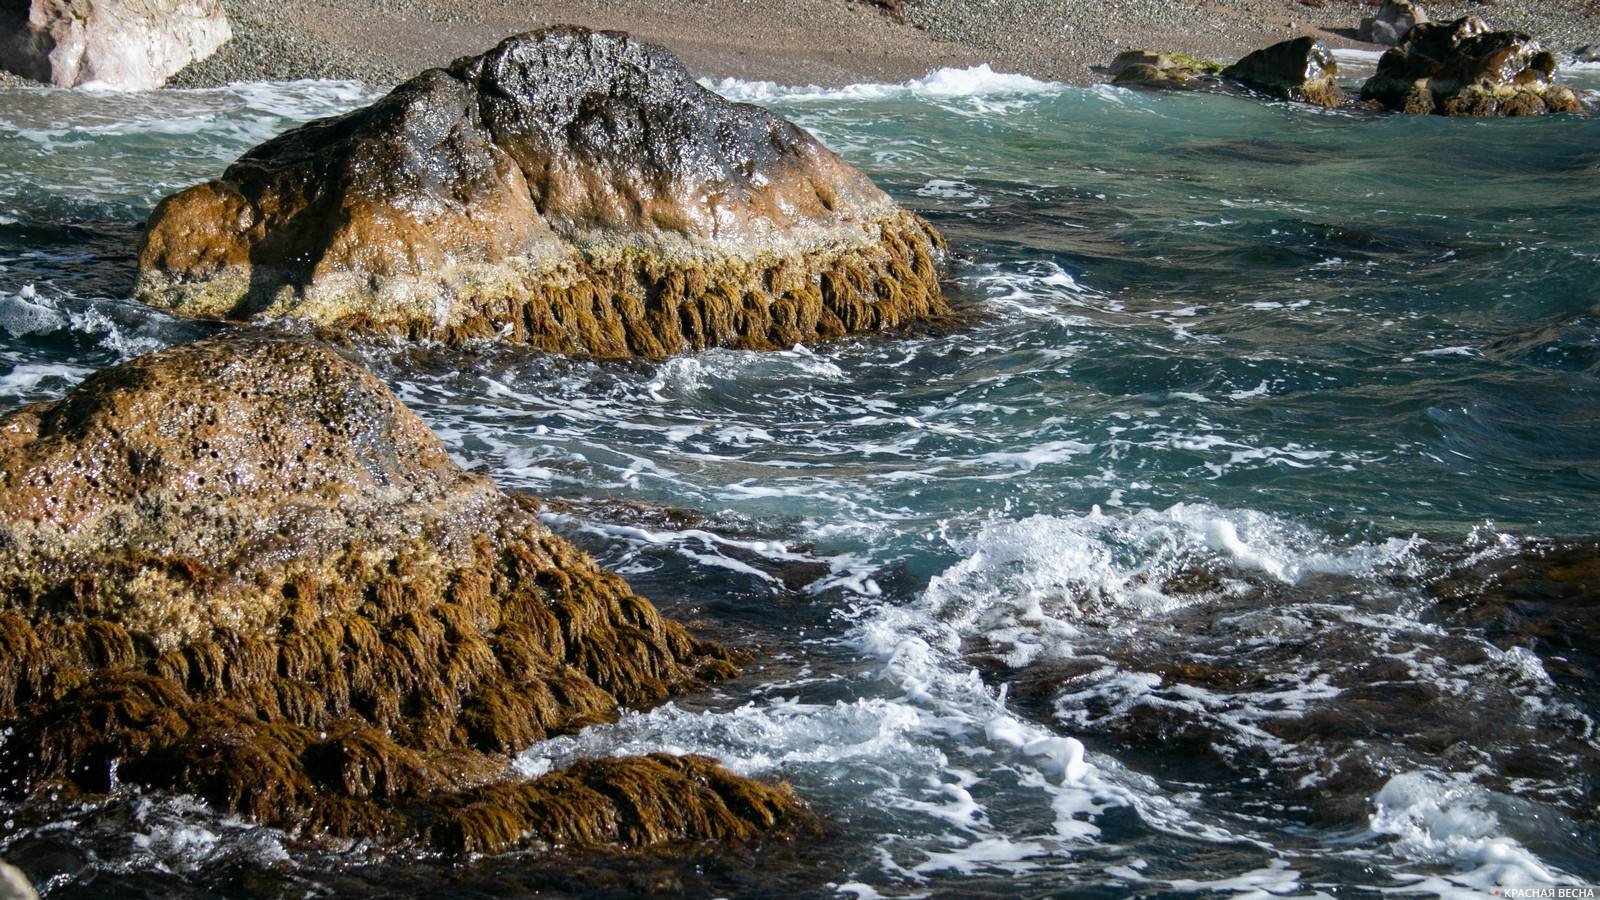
<point>180,834</point>
<point>1023,582</point>
<point>25,312</point>
<point>975,81</point>
<point>1443,821</point>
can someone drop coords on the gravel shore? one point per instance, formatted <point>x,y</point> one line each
<point>1067,39</point>
<point>825,42</point>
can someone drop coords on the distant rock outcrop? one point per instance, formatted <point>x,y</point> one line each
<point>1152,68</point>
<point>241,569</point>
<point>1301,69</point>
<point>1465,69</point>
<point>1391,22</point>
<point>573,190</point>
<point>131,45</point>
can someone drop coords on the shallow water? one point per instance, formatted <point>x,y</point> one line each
<point>1166,576</point>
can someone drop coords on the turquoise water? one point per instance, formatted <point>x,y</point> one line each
<point>1129,587</point>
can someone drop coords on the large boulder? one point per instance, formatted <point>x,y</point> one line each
<point>1390,23</point>
<point>131,45</point>
<point>569,189</point>
<point>241,569</point>
<point>1465,69</point>
<point>1301,69</point>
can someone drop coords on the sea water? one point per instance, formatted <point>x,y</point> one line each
<point>1128,587</point>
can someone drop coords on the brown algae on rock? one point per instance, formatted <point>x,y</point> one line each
<point>1463,68</point>
<point>241,569</point>
<point>576,191</point>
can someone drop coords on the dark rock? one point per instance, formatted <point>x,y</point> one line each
<point>241,569</point>
<point>1393,19</point>
<point>1544,597</point>
<point>1464,69</point>
<point>123,44</point>
<point>1150,68</point>
<point>573,190</point>
<point>1301,69</point>
<point>1587,53</point>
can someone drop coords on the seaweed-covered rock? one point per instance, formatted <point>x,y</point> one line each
<point>1150,68</point>
<point>1391,22</point>
<point>1301,69</point>
<point>241,569</point>
<point>132,45</point>
<point>1465,69</point>
<point>569,189</point>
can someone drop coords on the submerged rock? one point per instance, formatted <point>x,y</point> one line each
<point>1150,68</point>
<point>1391,22</point>
<point>569,189</point>
<point>1544,597</point>
<point>1301,69</point>
<point>241,569</point>
<point>131,45</point>
<point>1465,69</point>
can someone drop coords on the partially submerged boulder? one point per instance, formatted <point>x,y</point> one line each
<point>1301,69</point>
<point>1152,68</point>
<point>573,190</point>
<point>241,569</point>
<point>1388,26</point>
<point>131,45</point>
<point>1465,69</point>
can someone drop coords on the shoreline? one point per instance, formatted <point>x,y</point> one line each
<point>828,43</point>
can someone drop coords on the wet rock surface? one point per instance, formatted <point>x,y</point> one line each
<point>572,190</point>
<point>122,44</point>
<point>1301,69</point>
<point>1544,598</point>
<point>1463,68</point>
<point>241,569</point>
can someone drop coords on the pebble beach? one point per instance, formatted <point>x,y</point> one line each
<point>824,42</point>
